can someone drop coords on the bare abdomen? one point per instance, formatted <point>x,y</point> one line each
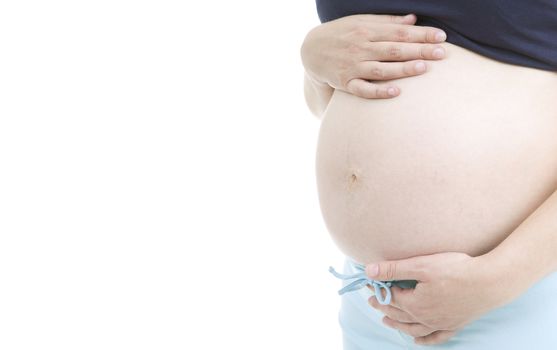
<point>455,163</point>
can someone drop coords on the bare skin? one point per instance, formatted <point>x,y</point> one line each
<point>347,54</point>
<point>446,171</point>
<point>455,163</point>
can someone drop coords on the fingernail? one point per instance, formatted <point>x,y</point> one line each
<point>372,270</point>
<point>440,36</point>
<point>438,53</point>
<point>391,91</point>
<point>420,67</point>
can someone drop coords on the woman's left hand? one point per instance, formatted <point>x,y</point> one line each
<point>453,289</point>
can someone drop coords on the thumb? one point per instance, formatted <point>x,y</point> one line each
<point>405,269</point>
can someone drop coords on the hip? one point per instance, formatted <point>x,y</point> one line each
<point>529,319</point>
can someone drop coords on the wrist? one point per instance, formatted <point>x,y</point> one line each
<point>317,95</point>
<point>316,82</point>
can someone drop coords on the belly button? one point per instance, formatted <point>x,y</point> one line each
<point>352,181</point>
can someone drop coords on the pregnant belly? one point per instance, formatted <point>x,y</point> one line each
<point>454,163</point>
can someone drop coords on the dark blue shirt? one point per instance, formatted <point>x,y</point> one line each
<point>522,32</point>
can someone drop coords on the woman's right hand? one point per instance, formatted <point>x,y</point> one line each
<point>348,52</point>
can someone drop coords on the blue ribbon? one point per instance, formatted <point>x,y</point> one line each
<point>361,280</point>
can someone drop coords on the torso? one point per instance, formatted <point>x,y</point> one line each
<point>454,163</point>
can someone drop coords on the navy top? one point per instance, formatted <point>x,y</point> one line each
<point>522,32</point>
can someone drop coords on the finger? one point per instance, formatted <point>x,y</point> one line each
<point>404,19</point>
<point>406,269</point>
<point>402,298</point>
<point>404,33</point>
<point>373,70</point>
<point>395,51</point>
<point>410,18</point>
<point>365,89</point>
<point>391,311</point>
<point>436,337</point>
<point>412,329</point>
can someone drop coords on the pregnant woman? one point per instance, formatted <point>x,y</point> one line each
<point>440,184</point>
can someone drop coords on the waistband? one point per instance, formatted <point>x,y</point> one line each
<point>360,280</point>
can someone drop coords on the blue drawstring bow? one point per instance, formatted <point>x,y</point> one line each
<point>361,281</point>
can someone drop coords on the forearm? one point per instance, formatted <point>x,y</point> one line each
<point>317,95</point>
<point>529,253</point>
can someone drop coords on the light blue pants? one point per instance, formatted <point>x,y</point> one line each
<point>529,322</point>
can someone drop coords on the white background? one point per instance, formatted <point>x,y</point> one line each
<point>157,184</point>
